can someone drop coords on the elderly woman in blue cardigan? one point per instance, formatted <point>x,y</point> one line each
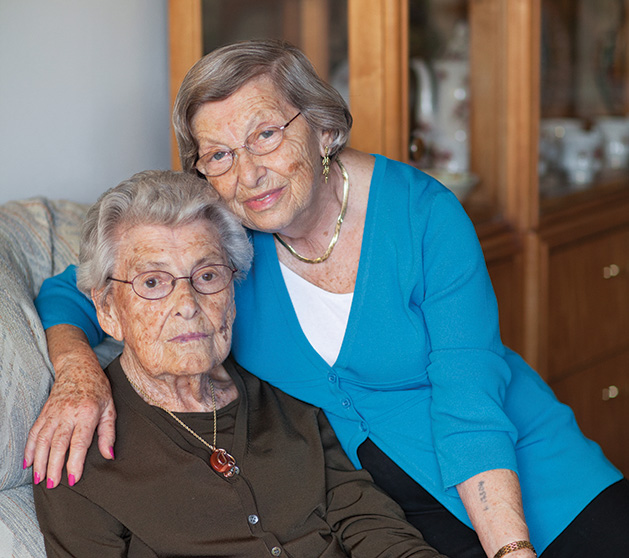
<point>368,297</point>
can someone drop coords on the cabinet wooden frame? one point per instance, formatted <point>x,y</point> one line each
<point>185,40</point>
<point>378,80</point>
<point>504,73</point>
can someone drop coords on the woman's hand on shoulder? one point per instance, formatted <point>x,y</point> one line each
<point>80,402</point>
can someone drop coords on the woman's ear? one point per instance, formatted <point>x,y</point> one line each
<point>106,312</point>
<point>326,137</point>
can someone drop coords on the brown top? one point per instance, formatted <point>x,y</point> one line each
<point>297,494</point>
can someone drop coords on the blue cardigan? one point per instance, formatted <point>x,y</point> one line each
<point>422,370</point>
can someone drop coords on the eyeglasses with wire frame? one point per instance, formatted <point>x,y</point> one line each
<point>155,285</point>
<point>261,142</point>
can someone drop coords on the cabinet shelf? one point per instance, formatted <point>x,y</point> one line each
<point>612,187</point>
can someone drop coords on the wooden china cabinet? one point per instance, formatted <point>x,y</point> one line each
<point>535,82</point>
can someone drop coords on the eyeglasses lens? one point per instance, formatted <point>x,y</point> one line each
<point>154,285</point>
<point>260,142</point>
<point>211,279</point>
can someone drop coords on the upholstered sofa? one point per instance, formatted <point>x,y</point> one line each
<point>38,238</point>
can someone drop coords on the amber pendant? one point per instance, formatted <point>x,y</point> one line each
<point>223,463</point>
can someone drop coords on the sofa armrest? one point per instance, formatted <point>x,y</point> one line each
<point>38,238</point>
<point>20,536</point>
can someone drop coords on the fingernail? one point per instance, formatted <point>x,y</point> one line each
<point>111,452</point>
<point>36,478</point>
<point>50,483</point>
<point>71,480</point>
<point>24,464</point>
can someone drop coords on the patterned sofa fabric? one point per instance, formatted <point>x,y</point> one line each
<point>38,238</point>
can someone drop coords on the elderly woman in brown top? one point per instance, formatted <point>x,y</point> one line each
<point>210,460</point>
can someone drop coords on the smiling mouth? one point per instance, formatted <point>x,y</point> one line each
<point>265,200</point>
<point>187,337</point>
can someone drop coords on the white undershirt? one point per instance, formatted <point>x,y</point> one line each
<point>322,315</point>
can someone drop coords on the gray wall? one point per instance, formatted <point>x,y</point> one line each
<point>83,95</point>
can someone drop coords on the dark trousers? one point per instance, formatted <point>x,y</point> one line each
<point>601,529</point>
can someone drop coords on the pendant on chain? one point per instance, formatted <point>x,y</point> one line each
<point>223,463</point>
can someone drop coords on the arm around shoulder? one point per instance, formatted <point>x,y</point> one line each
<point>80,401</point>
<point>60,302</point>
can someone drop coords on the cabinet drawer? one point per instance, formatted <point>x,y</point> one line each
<point>599,397</point>
<point>588,287</point>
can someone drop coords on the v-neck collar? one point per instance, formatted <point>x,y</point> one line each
<point>265,249</point>
<point>169,428</point>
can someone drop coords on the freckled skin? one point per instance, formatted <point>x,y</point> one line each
<point>79,400</point>
<point>155,355</point>
<point>293,170</point>
<point>299,204</point>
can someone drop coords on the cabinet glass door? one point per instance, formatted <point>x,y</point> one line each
<point>454,116</point>
<point>439,92</point>
<point>318,27</point>
<point>584,99</point>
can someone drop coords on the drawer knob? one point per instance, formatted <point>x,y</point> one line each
<point>610,271</point>
<point>610,392</point>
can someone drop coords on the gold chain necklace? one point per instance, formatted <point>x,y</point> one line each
<point>337,229</point>
<point>221,461</point>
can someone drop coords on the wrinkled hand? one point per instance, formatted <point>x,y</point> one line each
<point>80,402</point>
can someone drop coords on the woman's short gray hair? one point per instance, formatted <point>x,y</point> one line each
<point>225,70</point>
<point>154,198</point>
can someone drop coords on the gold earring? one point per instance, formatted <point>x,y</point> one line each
<point>326,164</point>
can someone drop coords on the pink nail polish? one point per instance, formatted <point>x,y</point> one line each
<point>36,478</point>
<point>24,464</point>
<point>50,483</point>
<point>71,480</point>
<point>111,452</point>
